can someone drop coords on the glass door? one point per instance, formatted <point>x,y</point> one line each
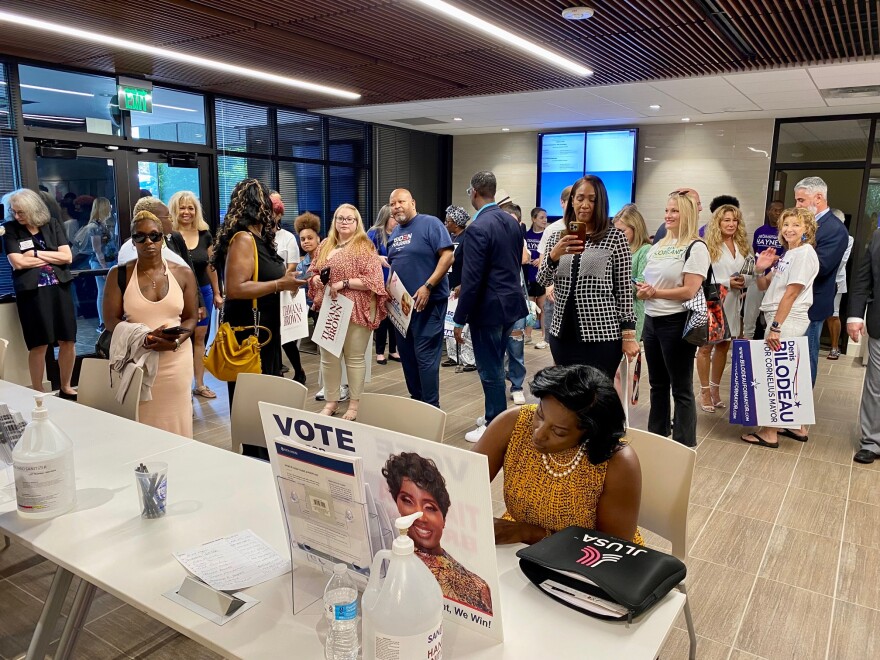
<point>162,175</point>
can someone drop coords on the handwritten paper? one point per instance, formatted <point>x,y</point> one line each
<point>234,562</point>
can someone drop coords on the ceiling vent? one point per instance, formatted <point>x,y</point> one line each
<point>868,91</point>
<point>420,121</point>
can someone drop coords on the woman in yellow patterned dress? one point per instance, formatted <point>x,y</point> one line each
<point>565,461</point>
<point>416,484</point>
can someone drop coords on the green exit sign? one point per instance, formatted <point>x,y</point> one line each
<point>135,99</point>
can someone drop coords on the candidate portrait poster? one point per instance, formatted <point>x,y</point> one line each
<point>399,304</point>
<point>771,388</point>
<point>386,475</point>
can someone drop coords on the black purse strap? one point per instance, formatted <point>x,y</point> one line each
<point>710,275</point>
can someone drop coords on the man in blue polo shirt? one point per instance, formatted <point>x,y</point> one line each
<point>420,252</point>
<point>491,300</point>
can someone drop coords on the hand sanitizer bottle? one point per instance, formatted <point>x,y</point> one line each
<point>45,485</point>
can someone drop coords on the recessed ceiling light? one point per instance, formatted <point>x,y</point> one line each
<point>505,130</point>
<point>654,106</point>
<point>165,54</point>
<point>494,31</point>
<point>685,118</point>
<point>578,13</point>
<point>647,160</point>
<point>456,119</point>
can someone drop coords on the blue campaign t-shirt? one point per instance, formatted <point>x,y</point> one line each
<point>533,240</point>
<point>413,251</point>
<point>766,236</point>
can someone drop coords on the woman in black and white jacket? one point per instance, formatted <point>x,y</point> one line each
<point>594,321</point>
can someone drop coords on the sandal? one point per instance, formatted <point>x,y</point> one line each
<point>205,391</point>
<point>350,415</point>
<point>834,355</point>
<point>329,410</point>
<point>709,408</point>
<point>758,441</point>
<point>788,433</point>
<point>719,404</point>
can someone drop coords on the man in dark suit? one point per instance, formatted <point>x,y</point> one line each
<point>831,241</point>
<point>491,300</point>
<point>864,306</point>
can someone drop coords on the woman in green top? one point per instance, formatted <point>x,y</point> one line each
<point>630,222</point>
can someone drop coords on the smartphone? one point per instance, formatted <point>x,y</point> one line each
<point>176,330</point>
<point>579,229</point>
<point>634,281</point>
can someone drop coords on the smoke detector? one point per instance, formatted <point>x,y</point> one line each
<point>578,13</point>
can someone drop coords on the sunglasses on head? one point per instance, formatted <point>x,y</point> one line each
<point>139,237</point>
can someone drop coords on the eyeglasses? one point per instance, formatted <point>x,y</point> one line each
<point>350,220</point>
<point>469,191</point>
<point>154,237</point>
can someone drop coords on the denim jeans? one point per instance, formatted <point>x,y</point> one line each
<point>490,344</point>
<point>100,282</point>
<point>516,357</point>
<point>814,332</point>
<point>670,362</point>
<point>420,352</point>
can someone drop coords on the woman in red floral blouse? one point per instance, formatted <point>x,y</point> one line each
<point>356,273</point>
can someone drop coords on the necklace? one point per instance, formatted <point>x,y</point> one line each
<point>339,246</point>
<point>150,278</point>
<point>570,466</point>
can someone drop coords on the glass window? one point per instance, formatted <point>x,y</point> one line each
<point>176,117</point>
<point>347,141</point>
<point>823,141</point>
<point>232,169</point>
<point>9,181</point>
<point>348,185</point>
<point>302,189</point>
<point>63,100</point>
<point>243,127</point>
<point>5,113</point>
<point>300,135</point>
<point>163,181</point>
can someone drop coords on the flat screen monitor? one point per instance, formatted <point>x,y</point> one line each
<point>566,157</point>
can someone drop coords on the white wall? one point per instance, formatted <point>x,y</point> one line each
<point>725,157</point>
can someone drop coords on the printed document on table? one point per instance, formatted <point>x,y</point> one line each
<point>234,562</point>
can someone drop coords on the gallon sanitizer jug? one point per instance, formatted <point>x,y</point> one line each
<point>42,460</point>
<point>403,614</point>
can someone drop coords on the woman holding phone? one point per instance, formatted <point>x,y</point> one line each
<point>589,265</point>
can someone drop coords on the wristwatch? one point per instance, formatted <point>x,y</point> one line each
<point>429,286</point>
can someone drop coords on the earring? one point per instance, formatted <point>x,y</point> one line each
<point>804,238</point>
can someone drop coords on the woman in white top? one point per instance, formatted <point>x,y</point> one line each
<point>288,249</point>
<point>728,249</point>
<point>789,295</point>
<point>672,276</point>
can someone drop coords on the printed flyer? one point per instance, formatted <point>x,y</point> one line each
<point>332,324</point>
<point>771,388</point>
<point>401,475</point>
<point>294,316</point>
<point>449,322</point>
<point>399,304</point>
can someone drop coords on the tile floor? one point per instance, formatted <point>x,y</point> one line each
<point>784,544</point>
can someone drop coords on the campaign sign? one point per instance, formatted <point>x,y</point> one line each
<point>771,388</point>
<point>449,322</point>
<point>342,484</point>
<point>399,304</point>
<point>294,316</point>
<point>332,324</point>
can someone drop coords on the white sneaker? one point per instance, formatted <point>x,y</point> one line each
<point>519,398</point>
<point>540,345</point>
<point>319,395</point>
<point>343,393</point>
<point>476,434</point>
<point>481,421</point>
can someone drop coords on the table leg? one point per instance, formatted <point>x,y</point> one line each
<point>76,618</point>
<point>49,616</point>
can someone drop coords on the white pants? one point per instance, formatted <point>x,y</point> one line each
<point>754,298</point>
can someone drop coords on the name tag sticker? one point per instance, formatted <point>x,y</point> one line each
<point>26,245</point>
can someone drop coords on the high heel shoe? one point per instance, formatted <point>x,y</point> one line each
<point>718,404</point>
<point>709,408</point>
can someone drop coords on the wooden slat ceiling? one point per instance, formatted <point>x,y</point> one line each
<point>392,51</point>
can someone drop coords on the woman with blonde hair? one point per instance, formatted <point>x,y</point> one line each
<point>355,271</point>
<point>187,218</point>
<point>728,249</point>
<point>788,297</point>
<point>675,269</point>
<point>37,249</point>
<point>631,222</point>
<point>96,240</point>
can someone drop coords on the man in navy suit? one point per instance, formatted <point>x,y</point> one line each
<point>491,298</point>
<point>832,239</point>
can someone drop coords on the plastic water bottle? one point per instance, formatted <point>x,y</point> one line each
<point>341,609</point>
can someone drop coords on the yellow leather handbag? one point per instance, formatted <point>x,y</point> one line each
<point>228,357</point>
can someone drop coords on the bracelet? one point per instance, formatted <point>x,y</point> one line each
<point>774,329</point>
<point>632,339</point>
<point>276,286</point>
<point>176,345</point>
<point>344,284</point>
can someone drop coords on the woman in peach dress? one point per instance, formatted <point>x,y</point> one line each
<point>160,295</point>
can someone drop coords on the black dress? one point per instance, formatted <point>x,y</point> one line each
<point>239,312</point>
<point>42,293</point>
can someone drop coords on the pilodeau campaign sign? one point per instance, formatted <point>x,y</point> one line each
<point>771,388</point>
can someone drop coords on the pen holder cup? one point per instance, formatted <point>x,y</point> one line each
<point>152,489</point>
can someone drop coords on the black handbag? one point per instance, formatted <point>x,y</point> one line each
<point>600,575</point>
<point>102,346</point>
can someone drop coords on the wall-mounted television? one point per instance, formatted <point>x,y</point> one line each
<point>563,158</point>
